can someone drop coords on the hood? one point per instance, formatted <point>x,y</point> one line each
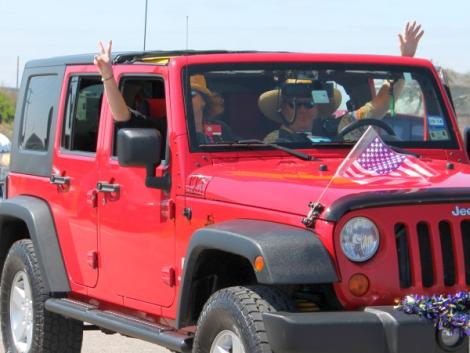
<point>289,185</point>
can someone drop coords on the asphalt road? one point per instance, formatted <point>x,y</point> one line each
<point>97,342</point>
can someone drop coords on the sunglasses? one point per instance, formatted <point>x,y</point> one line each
<point>306,105</point>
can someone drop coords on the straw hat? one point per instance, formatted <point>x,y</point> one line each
<point>269,103</point>
<point>198,83</point>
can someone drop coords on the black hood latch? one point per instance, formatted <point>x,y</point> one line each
<point>316,208</point>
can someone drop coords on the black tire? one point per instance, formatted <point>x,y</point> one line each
<point>239,310</point>
<point>51,333</point>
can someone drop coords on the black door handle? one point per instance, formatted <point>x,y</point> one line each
<point>106,187</point>
<point>60,180</point>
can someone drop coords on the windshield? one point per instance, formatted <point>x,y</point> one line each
<point>313,105</point>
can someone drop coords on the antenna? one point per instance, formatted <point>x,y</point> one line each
<point>187,32</point>
<point>145,26</point>
<point>17,71</point>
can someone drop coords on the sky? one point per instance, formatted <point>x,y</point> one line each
<point>33,29</point>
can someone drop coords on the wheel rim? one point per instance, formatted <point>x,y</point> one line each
<point>227,342</point>
<point>21,312</point>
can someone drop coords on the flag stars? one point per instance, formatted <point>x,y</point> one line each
<point>380,159</point>
<point>371,157</point>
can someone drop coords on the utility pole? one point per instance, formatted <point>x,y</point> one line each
<point>145,26</point>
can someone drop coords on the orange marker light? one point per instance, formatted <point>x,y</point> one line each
<point>358,284</point>
<point>259,264</point>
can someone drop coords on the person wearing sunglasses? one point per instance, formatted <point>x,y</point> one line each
<point>297,111</point>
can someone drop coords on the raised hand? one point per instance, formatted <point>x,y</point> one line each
<point>409,39</point>
<point>103,60</point>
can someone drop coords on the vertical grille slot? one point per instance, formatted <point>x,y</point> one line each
<point>425,254</point>
<point>404,269</point>
<point>465,230</point>
<point>447,253</point>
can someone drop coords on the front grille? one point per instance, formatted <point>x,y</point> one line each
<point>465,231</point>
<point>445,233</point>
<point>404,272</point>
<point>425,254</point>
<point>441,247</point>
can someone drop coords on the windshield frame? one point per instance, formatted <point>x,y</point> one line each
<point>192,69</point>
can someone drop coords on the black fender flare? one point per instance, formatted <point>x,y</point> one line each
<point>35,213</point>
<point>291,255</point>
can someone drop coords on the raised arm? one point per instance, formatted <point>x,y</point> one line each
<point>379,105</point>
<point>103,61</point>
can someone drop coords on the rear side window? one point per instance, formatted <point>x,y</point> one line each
<point>82,116</point>
<point>38,111</point>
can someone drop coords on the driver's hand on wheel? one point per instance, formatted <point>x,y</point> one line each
<point>354,135</point>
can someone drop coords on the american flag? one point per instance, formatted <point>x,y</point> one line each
<point>371,159</point>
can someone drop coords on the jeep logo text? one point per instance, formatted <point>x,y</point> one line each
<point>460,211</point>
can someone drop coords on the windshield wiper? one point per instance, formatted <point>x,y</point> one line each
<point>254,142</point>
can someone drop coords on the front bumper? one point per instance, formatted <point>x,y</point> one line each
<point>373,330</point>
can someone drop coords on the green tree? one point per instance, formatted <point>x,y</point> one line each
<point>7,106</point>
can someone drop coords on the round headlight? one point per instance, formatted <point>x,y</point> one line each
<point>359,239</point>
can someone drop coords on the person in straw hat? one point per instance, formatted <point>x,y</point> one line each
<point>207,107</point>
<point>293,107</point>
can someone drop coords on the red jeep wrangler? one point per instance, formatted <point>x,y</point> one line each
<point>214,240</point>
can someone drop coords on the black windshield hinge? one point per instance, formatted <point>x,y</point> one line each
<point>316,208</point>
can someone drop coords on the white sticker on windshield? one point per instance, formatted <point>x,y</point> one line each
<point>407,76</point>
<point>438,134</point>
<point>320,97</point>
<point>437,128</point>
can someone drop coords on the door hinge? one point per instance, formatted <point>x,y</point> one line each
<point>169,276</point>
<point>167,210</point>
<point>92,198</point>
<point>316,208</point>
<point>188,213</point>
<point>92,259</point>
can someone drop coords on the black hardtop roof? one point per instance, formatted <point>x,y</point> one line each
<point>140,56</point>
<point>122,57</point>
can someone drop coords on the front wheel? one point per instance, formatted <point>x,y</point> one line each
<point>231,320</point>
<point>26,325</point>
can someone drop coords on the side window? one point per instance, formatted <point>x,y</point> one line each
<point>37,113</point>
<point>146,96</point>
<point>82,116</point>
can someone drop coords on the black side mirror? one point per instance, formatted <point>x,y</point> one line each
<point>138,147</point>
<point>466,138</point>
<point>142,148</point>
